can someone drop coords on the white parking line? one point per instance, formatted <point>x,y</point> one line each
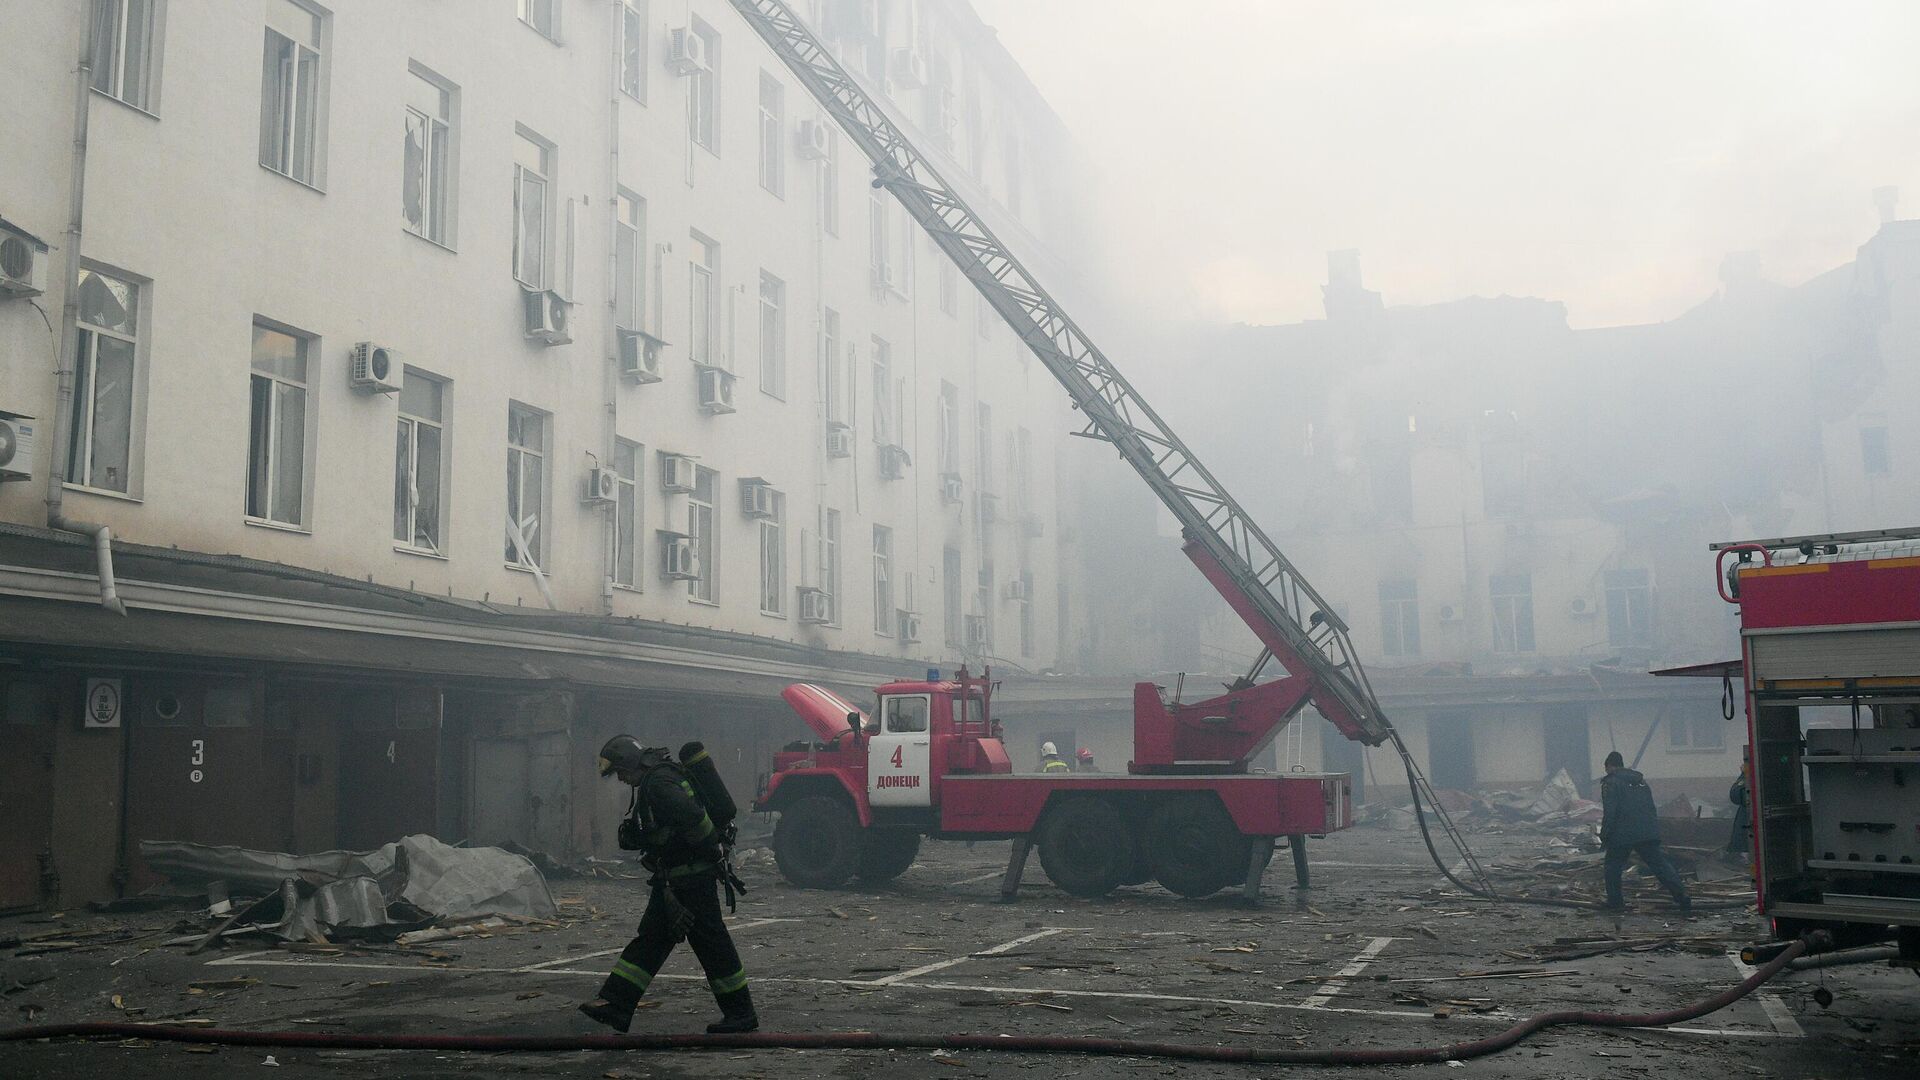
<point>1776,1010</point>
<point>945,964</point>
<point>1354,967</point>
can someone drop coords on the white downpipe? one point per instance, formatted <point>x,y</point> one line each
<point>64,355</point>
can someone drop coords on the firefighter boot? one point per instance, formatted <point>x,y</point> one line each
<point>736,1013</point>
<point>615,1016</point>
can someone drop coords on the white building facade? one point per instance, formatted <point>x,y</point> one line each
<point>533,318</point>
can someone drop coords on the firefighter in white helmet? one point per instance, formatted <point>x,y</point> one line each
<point>1051,761</point>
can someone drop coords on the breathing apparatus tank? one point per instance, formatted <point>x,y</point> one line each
<point>707,785</point>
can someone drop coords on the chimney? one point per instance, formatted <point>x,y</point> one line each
<point>1343,269</point>
<point>1886,200</point>
<point>1343,294</point>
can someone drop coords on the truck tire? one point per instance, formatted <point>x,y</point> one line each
<point>1085,846</point>
<point>885,854</point>
<point>816,843</point>
<point>1194,847</point>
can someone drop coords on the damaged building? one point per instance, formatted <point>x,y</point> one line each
<point>393,419</point>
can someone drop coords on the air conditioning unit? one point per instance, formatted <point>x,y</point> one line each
<point>893,462</point>
<point>23,263</point>
<point>374,368</point>
<point>756,497</point>
<point>677,559</point>
<point>816,607</point>
<point>909,69</point>
<point>1449,613</point>
<point>989,508</point>
<point>816,140</point>
<point>687,53</point>
<point>640,356</point>
<point>602,488</point>
<point>546,316</point>
<point>1580,607</point>
<point>16,446</point>
<point>716,390</point>
<point>676,474</point>
<point>1017,590</point>
<point>976,633</point>
<point>949,487</point>
<point>909,625</point>
<point>839,439</point>
<point>883,278</point>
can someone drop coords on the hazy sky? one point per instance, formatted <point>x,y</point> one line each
<point>1606,153</point>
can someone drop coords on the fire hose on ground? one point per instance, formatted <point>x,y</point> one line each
<point>867,1040</point>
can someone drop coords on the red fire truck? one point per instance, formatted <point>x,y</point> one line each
<point>1830,659</point>
<point>928,761</point>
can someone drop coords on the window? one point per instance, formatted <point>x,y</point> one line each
<point>830,182</point>
<point>1503,464</point>
<point>773,126</point>
<point>907,714</point>
<point>1512,612</point>
<point>952,603</point>
<point>1699,731</point>
<point>626,514</point>
<point>1629,607</point>
<point>629,273</point>
<point>100,447</point>
<point>773,558</point>
<point>542,15</point>
<point>983,600</point>
<point>290,92</point>
<point>532,170</point>
<point>526,486</point>
<point>419,457</point>
<point>426,192</point>
<point>883,393</point>
<point>1020,470</point>
<point>700,525</point>
<point>830,383</point>
<point>633,49</point>
<point>1873,451</point>
<point>703,299</point>
<point>773,335</point>
<point>946,422</point>
<point>703,121</point>
<point>949,284</point>
<point>1400,617</point>
<point>1026,613</point>
<point>123,40</point>
<point>883,616</point>
<point>983,445</point>
<point>877,244</point>
<point>830,562</point>
<point>277,440</point>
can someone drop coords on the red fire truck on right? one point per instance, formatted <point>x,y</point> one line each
<point>1830,659</point>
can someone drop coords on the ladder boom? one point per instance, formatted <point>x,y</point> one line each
<point>1296,625</point>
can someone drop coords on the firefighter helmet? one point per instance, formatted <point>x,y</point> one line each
<point>625,752</point>
<point>1086,754</point>
<point>1047,749</point>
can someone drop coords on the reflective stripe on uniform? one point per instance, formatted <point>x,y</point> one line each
<point>691,869</point>
<point>730,983</point>
<point>633,973</point>
<point>1057,766</point>
<point>700,830</point>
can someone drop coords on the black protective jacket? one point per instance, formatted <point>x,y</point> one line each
<point>1629,816</point>
<point>674,832</point>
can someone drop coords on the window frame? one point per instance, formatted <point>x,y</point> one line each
<point>830,581</point>
<point>773,142</point>
<point>703,521</point>
<point>773,559</point>
<point>306,385</point>
<point>1399,617</point>
<point>831,392</point>
<point>522,244</point>
<point>436,545</point>
<point>629,514</point>
<point>883,608</point>
<point>953,595</point>
<point>630,231</point>
<point>946,432</point>
<point>83,426</point>
<point>773,336</point>
<point>525,10</point>
<point>112,66</point>
<point>703,283</point>
<point>1683,734</point>
<point>633,54</point>
<point>287,132</point>
<point>518,456</point>
<point>830,180</point>
<point>881,370</point>
<point>440,172</point>
<point>1517,604</point>
<point>1615,586</point>
<point>703,92</point>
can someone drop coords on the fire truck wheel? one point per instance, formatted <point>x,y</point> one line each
<point>1194,847</point>
<point>1085,846</point>
<point>816,843</point>
<point>885,855</point>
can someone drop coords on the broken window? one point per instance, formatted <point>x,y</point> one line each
<point>1512,596</point>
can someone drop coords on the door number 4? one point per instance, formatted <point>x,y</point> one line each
<point>897,756</point>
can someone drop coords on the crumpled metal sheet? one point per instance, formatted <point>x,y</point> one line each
<point>403,883</point>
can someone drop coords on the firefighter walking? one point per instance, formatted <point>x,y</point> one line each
<point>671,825</point>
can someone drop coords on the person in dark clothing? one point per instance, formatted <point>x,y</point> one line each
<point>1630,825</point>
<point>1740,842</point>
<point>680,845</point>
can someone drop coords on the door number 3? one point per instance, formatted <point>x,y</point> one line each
<point>199,757</point>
